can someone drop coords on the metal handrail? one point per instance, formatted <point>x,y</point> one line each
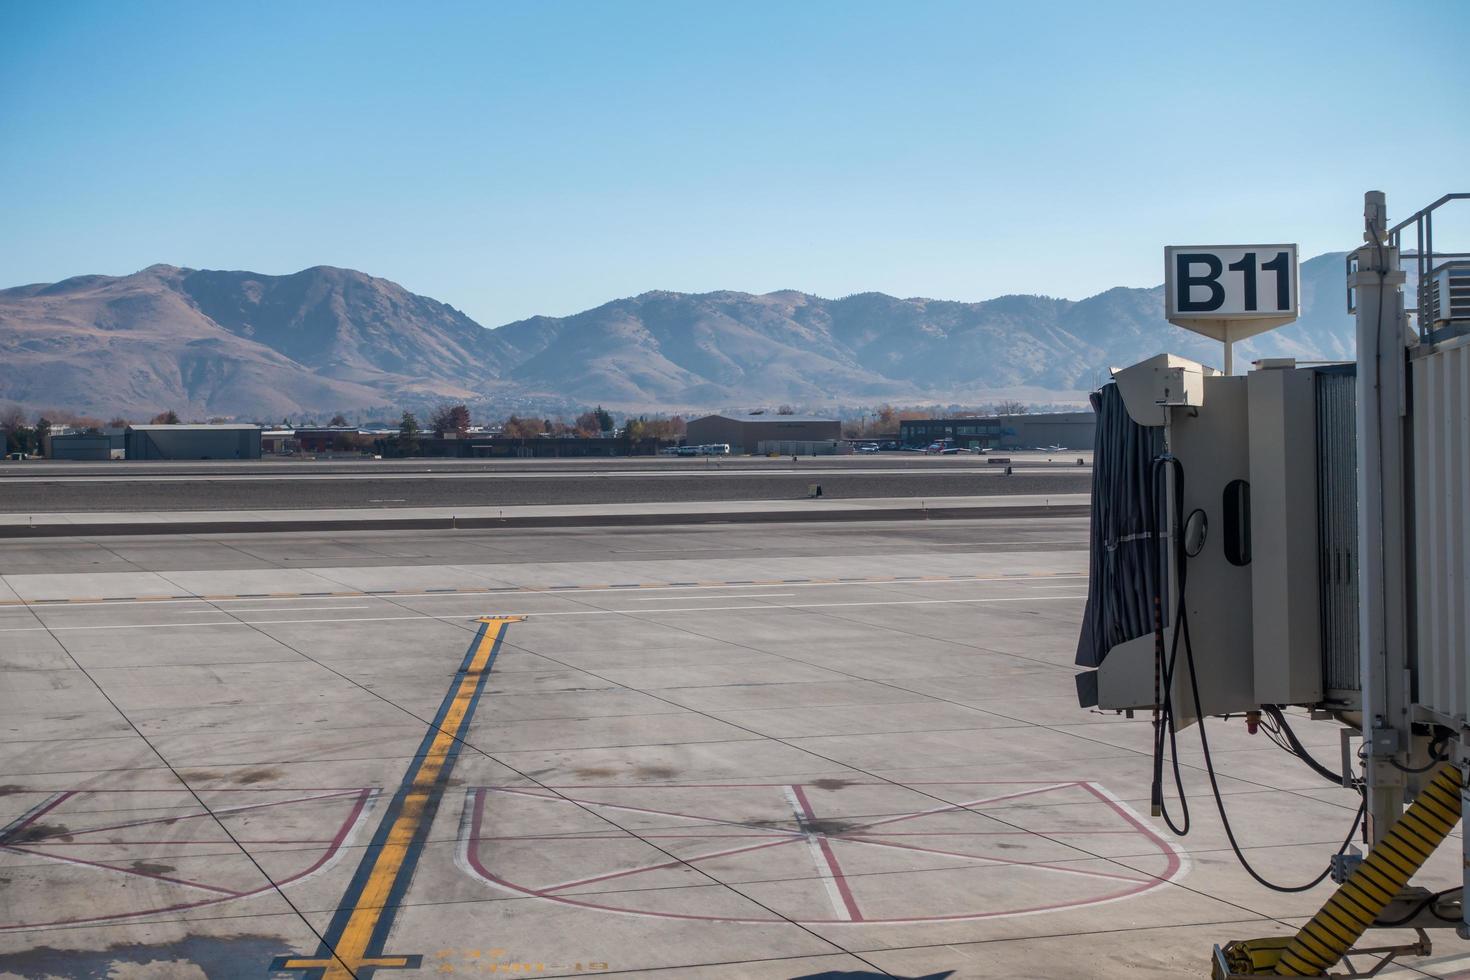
<point>1424,255</point>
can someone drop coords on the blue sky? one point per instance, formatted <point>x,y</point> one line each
<point>513,159</point>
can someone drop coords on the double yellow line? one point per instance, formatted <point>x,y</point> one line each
<point>353,943</point>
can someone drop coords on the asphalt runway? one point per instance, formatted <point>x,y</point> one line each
<point>79,488</point>
<point>309,467</point>
<point>761,752</point>
<point>367,549</point>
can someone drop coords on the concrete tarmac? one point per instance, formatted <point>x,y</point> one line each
<point>764,751</point>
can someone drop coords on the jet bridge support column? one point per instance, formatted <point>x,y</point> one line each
<point>1384,534</point>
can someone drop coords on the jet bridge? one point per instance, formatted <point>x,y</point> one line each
<point>1300,536</point>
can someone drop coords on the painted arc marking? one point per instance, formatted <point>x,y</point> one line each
<point>841,890</point>
<point>354,943</point>
<point>356,800</point>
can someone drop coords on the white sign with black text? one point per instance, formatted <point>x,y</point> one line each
<point>1230,282</point>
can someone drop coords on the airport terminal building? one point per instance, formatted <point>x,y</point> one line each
<point>1074,430</point>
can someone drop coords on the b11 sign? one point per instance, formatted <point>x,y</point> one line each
<point>1230,283</point>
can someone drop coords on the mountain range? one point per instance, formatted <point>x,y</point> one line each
<point>251,346</point>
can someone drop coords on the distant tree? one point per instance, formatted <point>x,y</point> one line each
<point>339,421</point>
<point>118,422</point>
<point>42,433</point>
<point>670,429</point>
<point>21,440</point>
<point>516,427</point>
<point>785,410</point>
<point>12,419</point>
<point>73,420</point>
<point>1010,407</point>
<point>604,419</point>
<point>408,435</point>
<point>588,425</point>
<point>17,436</point>
<point>169,417</point>
<point>450,419</point>
<point>217,420</point>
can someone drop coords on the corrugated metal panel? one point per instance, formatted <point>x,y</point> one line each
<point>1337,530</point>
<point>1441,528</point>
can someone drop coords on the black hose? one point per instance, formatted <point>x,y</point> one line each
<point>1164,669</point>
<point>1204,741</point>
<point>1430,902</point>
<point>1181,630</point>
<point>1298,749</point>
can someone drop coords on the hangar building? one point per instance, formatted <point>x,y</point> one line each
<point>193,442</point>
<point>1074,430</point>
<point>106,443</point>
<point>745,433</point>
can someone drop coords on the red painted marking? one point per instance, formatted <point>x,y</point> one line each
<point>127,871</point>
<point>37,814</point>
<point>335,845</point>
<point>49,842</point>
<point>227,811</point>
<point>678,862</point>
<point>621,806</point>
<point>953,807</point>
<point>1174,861</point>
<point>473,856</point>
<point>204,789</point>
<point>1130,886</point>
<point>991,859</point>
<point>624,836</point>
<point>848,902</point>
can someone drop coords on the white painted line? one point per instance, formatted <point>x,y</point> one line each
<point>677,598</point>
<point>824,872</point>
<point>539,615</point>
<point>242,612</point>
<point>512,590</point>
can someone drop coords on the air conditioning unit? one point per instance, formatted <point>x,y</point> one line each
<point>1449,293</point>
